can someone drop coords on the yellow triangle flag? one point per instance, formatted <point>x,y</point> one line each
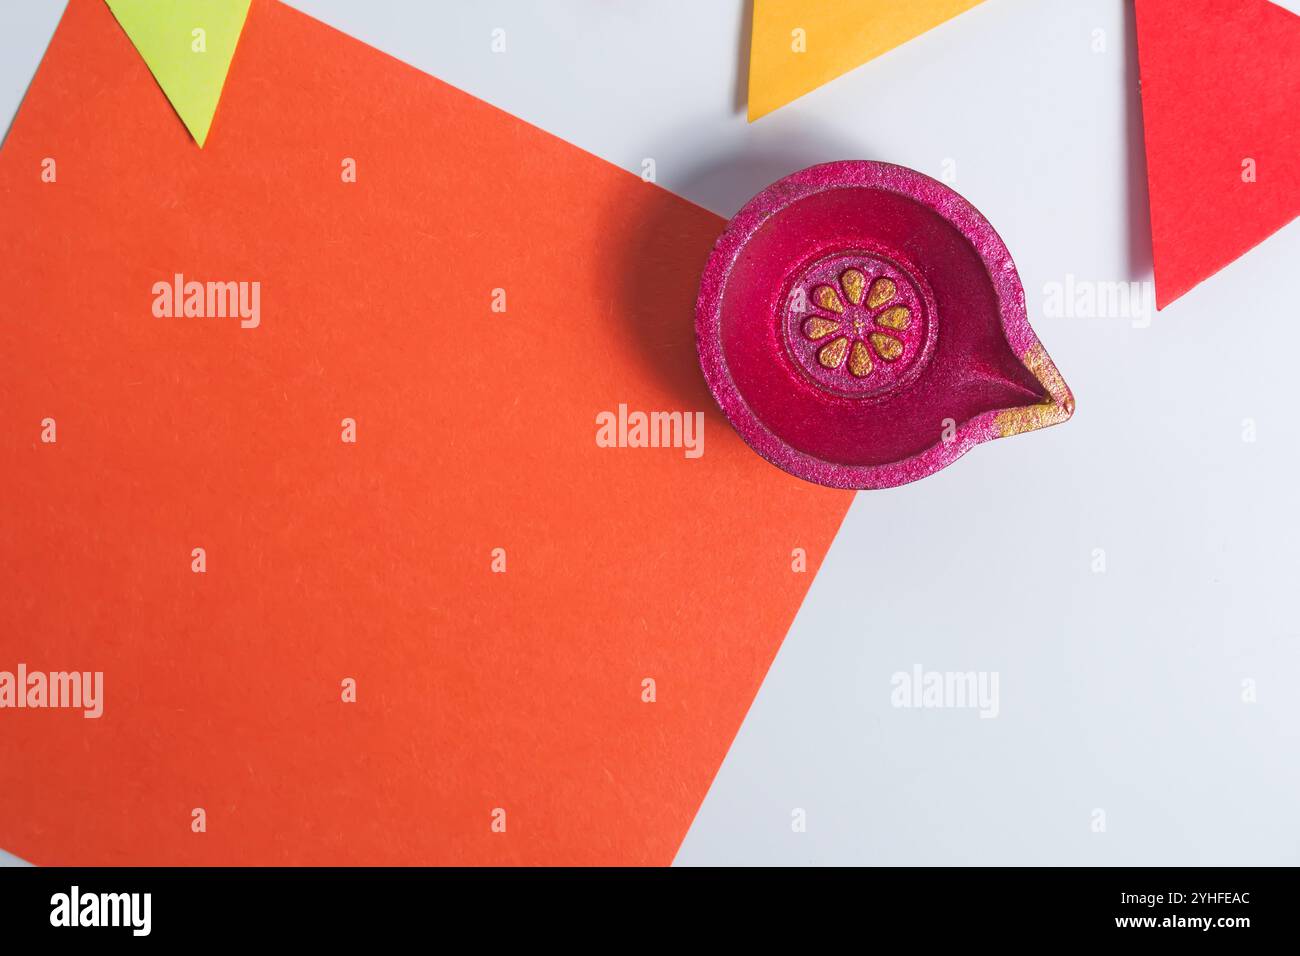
<point>797,46</point>
<point>188,45</point>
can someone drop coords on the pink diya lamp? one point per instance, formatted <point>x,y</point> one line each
<point>863,326</point>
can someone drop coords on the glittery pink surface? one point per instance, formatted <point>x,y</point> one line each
<point>962,360</point>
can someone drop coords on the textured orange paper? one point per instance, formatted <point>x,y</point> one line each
<point>325,560</point>
<point>797,46</point>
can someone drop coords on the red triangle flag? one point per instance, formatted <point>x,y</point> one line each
<point>1221,107</point>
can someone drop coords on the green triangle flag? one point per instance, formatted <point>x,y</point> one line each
<point>188,45</point>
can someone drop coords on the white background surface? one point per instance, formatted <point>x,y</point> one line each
<point>1120,691</point>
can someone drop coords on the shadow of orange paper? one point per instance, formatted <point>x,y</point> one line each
<point>326,560</point>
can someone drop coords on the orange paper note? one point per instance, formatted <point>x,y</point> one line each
<point>798,46</point>
<point>322,446</point>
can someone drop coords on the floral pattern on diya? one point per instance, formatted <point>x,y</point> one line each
<point>862,322</point>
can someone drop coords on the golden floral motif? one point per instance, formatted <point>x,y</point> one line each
<point>859,339</point>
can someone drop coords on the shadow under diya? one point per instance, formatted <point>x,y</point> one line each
<point>863,326</point>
